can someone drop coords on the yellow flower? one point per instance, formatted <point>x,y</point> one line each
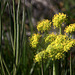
<point>69,44</point>
<point>34,40</point>
<point>59,19</point>
<point>44,25</point>
<point>59,56</point>
<point>39,56</point>
<point>50,37</point>
<point>70,28</point>
<point>57,48</point>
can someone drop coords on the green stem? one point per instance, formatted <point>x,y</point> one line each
<point>70,65</point>
<point>54,70</point>
<point>66,64</point>
<point>56,67</point>
<point>32,69</point>
<point>60,30</point>
<point>42,67</point>
<point>49,70</point>
<point>70,61</point>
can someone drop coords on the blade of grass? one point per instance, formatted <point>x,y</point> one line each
<point>24,40</point>
<point>5,66</point>
<point>18,32</point>
<point>2,68</point>
<point>18,36</point>
<point>14,12</point>
<point>11,25</point>
<point>14,49</point>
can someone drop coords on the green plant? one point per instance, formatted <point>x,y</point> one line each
<point>52,46</point>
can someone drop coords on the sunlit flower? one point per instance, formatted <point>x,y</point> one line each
<point>59,19</point>
<point>69,44</point>
<point>34,40</point>
<point>39,56</point>
<point>50,37</point>
<point>58,47</point>
<point>44,25</point>
<point>70,28</point>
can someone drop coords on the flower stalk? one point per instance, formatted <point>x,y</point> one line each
<point>70,61</point>
<point>54,69</point>
<point>42,67</point>
<point>70,64</point>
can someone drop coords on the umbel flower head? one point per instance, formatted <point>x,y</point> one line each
<point>50,37</point>
<point>44,25</point>
<point>59,19</point>
<point>58,47</point>
<point>70,28</point>
<point>69,44</point>
<point>34,40</point>
<point>39,56</point>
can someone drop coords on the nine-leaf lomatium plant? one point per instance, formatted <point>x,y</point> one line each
<point>49,47</point>
<point>52,46</point>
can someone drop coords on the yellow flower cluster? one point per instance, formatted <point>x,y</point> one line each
<point>57,44</point>
<point>39,56</point>
<point>59,56</point>
<point>57,48</point>
<point>34,40</point>
<point>69,44</point>
<point>61,38</point>
<point>70,28</point>
<point>50,37</point>
<point>44,25</point>
<point>58,19</point>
